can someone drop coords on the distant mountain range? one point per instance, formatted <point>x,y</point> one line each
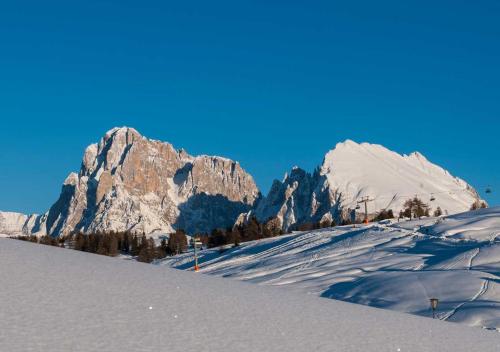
<point>128,182</point>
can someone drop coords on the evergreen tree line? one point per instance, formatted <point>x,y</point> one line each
<point>478,205</point>
<point>115,243</point>
<point>254,230</point>
<point>249,231</point>
<point>384,214</point>
<point>415,208</point>
<point>309,226</point>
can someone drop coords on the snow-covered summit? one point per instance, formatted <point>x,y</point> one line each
<point>129,182</point>
<point>358,170</point>
<point>120,130</point>
<point>353,170</point>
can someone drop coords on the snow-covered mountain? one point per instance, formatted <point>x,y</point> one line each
<point>351,171</point>
<point>391,265</point>
<point>129,182</point>
<point>13,224</point>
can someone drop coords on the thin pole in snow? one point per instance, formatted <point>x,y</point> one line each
<point>196,268</point>
<point>434,303</point>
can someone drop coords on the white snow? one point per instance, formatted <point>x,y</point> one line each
<point>358,170</point>
<point>391,265</point>
<point>15,224</point>
<point>53,299</point>
<point>352,171</point>
<point>481,224</point>
<point>11,222</point>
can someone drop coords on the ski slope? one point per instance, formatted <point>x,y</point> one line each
<point>54,300</point>
<point>397,266</point>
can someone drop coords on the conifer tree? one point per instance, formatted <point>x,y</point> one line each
<point>147,252</point>
<point>134,245</point>
<point>113,245</point>
<point>438,211</point>
<point>177,242</point>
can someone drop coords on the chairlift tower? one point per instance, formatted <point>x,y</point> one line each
<point>365,200</point>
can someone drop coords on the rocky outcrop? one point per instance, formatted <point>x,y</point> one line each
<point>299,198</point>
<point>130,183</point>
<point>17,224</point>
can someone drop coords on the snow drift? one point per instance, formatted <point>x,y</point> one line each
<point>55,300</point>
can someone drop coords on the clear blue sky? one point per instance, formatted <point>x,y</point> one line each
<point>270,84</point>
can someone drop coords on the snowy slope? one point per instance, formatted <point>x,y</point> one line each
<point>53,300</point>
<point>480,225</point>
<point>396,266</point>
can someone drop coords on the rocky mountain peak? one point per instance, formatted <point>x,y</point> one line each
<point>128,182</point>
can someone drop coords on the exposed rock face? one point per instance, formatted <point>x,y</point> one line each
<point>351,171</point>
<point>130,183</point>
<point>17,224</point>
<point>299,198</point>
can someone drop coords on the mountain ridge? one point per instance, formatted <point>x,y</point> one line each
<point>128,182</point>
<point>351,171</point>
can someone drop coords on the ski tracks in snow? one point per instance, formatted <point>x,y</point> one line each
<point>474,255</point>
<point>481,292</point>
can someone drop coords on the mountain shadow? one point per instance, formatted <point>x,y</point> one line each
<point>203,213</point>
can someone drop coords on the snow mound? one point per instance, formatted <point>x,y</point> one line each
<point>483,225</point>
<point>64,300</point>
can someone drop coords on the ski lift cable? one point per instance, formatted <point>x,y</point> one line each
<point>432,195</point>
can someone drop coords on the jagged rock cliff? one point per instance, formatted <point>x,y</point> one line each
<point>130,183</point>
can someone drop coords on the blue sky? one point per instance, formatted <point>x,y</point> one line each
<point>270,84</point>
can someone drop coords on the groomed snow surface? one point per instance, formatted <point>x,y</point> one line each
<point>54,299</point>
<point>391,265</point>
